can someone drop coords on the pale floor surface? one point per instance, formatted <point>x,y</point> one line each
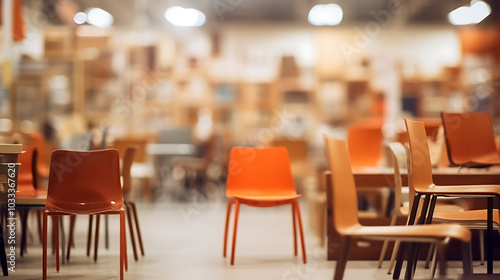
<point>184,241</point>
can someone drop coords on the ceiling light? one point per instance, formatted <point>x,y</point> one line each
<point>329,14</point>
<point>180,16</point>
<point>473,14</point>
<point>99,17</point>
<point>80,18</point>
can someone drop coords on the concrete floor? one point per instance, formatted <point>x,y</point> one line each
<point>184,241</point>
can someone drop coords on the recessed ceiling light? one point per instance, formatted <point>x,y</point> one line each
<point>329,14</point>
<point>180,16</point>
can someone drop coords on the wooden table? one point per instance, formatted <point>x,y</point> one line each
<point>9,170</point>
<point>384,178</point>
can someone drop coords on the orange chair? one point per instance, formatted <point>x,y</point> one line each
<point>261,177</point>
<point>423,185</point>
<point>470,139</point>
<point>84,183</point>
<point>364,152</point>
<point>346,223</point>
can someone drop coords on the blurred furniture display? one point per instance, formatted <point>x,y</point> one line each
<point>195,168</point>
<point>402,208</point>
<point>174,142</point>
<point>298,150</point>
<point>88,184</point>
<point>140,169</point>
<point>470,139</point>
<point>261,177</point>
<point>28,196</point>
<point>346,223</point>
<point>9,172</point>
<point>423,185</point>
<point>364,141</point>
<point>37,140</point>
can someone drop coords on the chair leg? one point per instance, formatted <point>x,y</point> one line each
<point>294,231</point>
<point>131,230</point>
<point>236,213</point>
<point>429,255</point>
<point>402,248</point>
<point>39,215</point>
<point>55,221</point>
<point>442,258</point>
<point>481,246</point>
<point>467,258</point>
<point>137,228</point>
<point>106,232</point>
<point>386,243</point>
<point>122,243</point>
<point>228,212</point>
<point>24,229</point>
<point>96,237</point>
<point>393,256</point>
<point>44,245</point>
<point>297,211</point>
<point>71,233</point>
<point>89,235</point>
<point>3,255</point>
<point>342,257</point>
<point>434,262</point>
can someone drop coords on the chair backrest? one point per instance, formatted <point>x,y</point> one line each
<point>297,149</point>
<point>128,160</point>
<point>27,172</point>
<point>84,182</point>
<point>344,196</point>
<point>259,172</point>
<point>365,145</point>
<point>420,159</point>
<point>37,140</point>
<point>123,143</point>
<point>468,136</point>
<point>398,153</point>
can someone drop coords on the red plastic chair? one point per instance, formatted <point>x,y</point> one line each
<point>261,177</point>
<point>470,139</point>
<point>84,183</point>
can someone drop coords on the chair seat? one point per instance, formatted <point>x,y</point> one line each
<point>466,190</point>
<point>267,197</point>
<point>471,216</point>
<point>84,208</point>
<point>413,233</point>
<point>481,161</point>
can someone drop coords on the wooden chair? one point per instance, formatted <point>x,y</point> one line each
<point>470,139</point>
<point>423,185</point>
<point>261,177</point>
<point>402,209</point>
<point>346,223</point>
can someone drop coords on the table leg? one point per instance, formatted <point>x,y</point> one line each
<point>489,237</point>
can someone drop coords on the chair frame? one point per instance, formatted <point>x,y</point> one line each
<point>424,187</point>
<point>262,203</point>
<point>61,211</point>
<point>346,223</point>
